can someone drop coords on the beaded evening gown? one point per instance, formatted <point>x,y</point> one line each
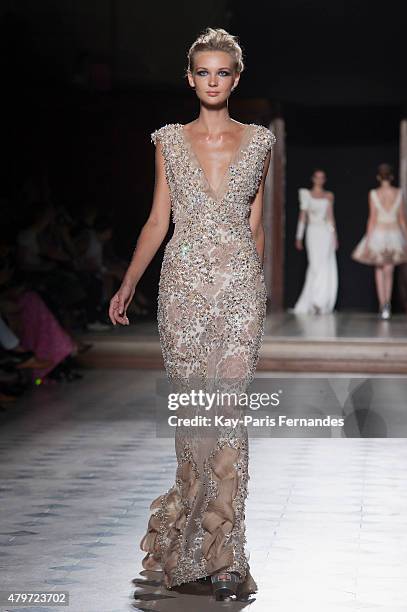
<point>211,311</point>
<point>387,243</point>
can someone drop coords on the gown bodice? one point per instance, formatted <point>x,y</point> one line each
<point>385,215</point>
<point>317,208</point>
<point>212,229</point>
<point>192,198</point>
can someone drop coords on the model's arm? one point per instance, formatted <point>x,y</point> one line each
<point>331,217</point>
<point>256,212</point>
<point>150,238</point>
<point>303,195</point>
<point>301,224</point>
<point>401,217</point>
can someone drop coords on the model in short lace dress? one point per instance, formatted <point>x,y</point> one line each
<point>387,244</point>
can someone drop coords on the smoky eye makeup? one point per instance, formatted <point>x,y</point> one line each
<point>202,72</point>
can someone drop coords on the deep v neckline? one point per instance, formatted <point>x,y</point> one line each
<point>217,193</point>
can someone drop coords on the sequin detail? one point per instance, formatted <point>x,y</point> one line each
<point>211,312</point>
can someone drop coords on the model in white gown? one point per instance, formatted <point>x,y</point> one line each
<point>319,293</point>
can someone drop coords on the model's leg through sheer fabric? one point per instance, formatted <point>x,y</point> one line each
<point>197,527</point>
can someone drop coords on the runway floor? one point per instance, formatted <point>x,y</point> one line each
<point>326,517</point>
<point>347,342</point>
<point>348,325</point>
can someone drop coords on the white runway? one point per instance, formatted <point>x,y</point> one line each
<point>326,518</point>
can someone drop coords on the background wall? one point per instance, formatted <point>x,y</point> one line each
<point>87,82</point>
<point>310,51</point>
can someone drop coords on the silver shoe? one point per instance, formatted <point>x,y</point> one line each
<point>385,312</point>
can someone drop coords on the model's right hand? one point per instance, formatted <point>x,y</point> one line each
<point>119,304</point>
<point>298,244</point>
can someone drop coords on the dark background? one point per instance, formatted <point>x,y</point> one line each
<point>334,70</point>
<point>348,143</point>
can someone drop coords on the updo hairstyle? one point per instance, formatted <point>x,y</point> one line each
<point>385,172</point>
<point>217,39</point>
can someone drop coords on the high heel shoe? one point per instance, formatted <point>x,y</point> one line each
<point>385,311</point>
<point>224,585</point>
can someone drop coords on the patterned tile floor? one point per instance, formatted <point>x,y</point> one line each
<point>326,517</point>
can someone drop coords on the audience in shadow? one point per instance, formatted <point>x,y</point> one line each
<point>58,270</point>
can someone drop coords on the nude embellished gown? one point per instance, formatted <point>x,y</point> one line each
<point>211,311</point>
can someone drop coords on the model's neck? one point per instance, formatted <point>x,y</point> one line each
<point>213,120</point>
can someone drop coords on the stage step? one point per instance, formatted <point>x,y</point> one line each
<point>352,355</point>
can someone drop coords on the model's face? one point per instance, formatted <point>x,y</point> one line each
<point>213,76</point>
<point>319,178</point>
